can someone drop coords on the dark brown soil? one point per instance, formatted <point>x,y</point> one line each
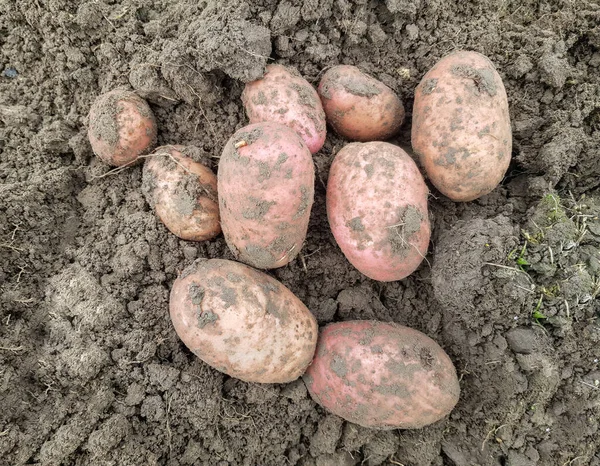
<point>91,371</point>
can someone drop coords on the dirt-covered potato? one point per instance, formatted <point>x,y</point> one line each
<point>266,190</point>
<point>242,322</point>
<point>183,193</point>
<point>121,127</point>
<point>377,209</point>
<point>382,375</point>
<point>461,126</point>
<point>358,106</point>
<point>285,97</point>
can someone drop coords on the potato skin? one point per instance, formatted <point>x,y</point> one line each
<point>461,126</point>
<point>377,209</point>
<point>183,193</point>
<point>121,127</point>
<point>285,97</point>
<point>266,190</point>
<point>382,375</point>
<point>242,322</point>
<point>358,106</point>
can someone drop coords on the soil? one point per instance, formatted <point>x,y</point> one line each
<point>91,371</point>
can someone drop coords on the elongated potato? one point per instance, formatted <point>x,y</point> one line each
<point>183,193</point>
<point>382,375</point>
<point>377,209</point>
<point>242,322</point>
<point>358,106</point>
<point>285,97</point>
<point>121,127</point>
<point>461,126</point>
<point>266,189</point>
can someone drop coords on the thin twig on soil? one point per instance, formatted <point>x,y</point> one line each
<point>14,232</point>
<point>212,129</point>
<point>10,246</point>
<point>255,54</point>
<point>115,171</point>
<point>590,385</point>
<point>392,460</point>
<point>493,431</point>
<point>169,434</point>
<point>508,268</point>
<point>301,256</point>
<point>14,349</point>
<point>314,252</point>
<point>21,272</point>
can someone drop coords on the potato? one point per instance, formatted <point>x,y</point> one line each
<point>285,97</point>
<point>183,192</point>
<point>358,106</point>
<point>461,126</point>
<point>382,375</point>
<point>242,322</point>
<point>377,209</point>
<point>121,127</point>
<point>266,190</point>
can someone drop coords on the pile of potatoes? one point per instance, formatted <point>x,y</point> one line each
<point>246,324</point>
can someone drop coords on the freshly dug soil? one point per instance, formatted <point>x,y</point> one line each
<point>91,370</point>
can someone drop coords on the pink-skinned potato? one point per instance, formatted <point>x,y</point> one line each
<point>242,322</point>
<point>382,375</point>
<point>358,106</point>
<point>121,127</point>
<point>183,193</point>
<point>461,126</point>
<point>285,97</point>
<point>377,209</point>
<point>266,190</point>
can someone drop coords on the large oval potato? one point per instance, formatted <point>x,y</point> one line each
<point>377,209</point>
<point>121,127</point>
<point>358,106</point>
<point>285,97</point>
<point>266,189</point>
<point>461,126</point>
<point>242,322</point>
<point>382,375</point>
<point>183,193</point>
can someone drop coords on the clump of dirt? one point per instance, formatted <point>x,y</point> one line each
<point>400,235</point>
<point>91,371</point>
<point>482,78</point>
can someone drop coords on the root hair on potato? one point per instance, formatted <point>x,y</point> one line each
<point>287,254</point>
<point>117,170</point>
<point>406,244</point>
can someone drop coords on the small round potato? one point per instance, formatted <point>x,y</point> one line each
<point>121,127</point>
<point>461,126</point>
<point>283,96</point>
<point>358,106</point>
<point>377,209</point>
<point>183,192</point>
<point>266,189</point>
<point>382,375</point>
<point>242,322</point>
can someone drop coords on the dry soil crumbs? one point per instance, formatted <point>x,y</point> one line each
<point>91,372</point>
